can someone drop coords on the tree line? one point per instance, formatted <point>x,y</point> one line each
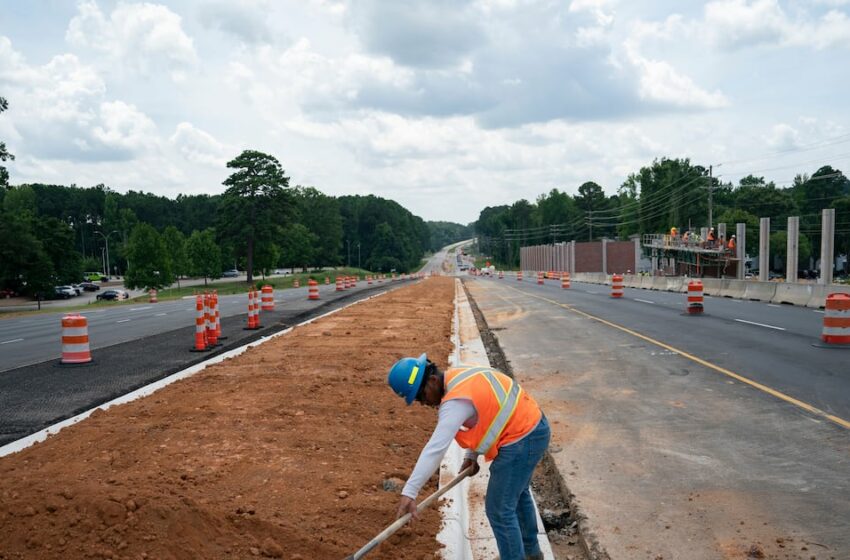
<point>670,193</point>
<point>53,233</point>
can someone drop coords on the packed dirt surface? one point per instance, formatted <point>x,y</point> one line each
<point>286,451</point>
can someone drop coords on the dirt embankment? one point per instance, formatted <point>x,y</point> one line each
<point>281,452</point>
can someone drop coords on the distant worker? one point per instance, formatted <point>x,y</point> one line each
<point>712,240</point>
<point>674,232</point>
<point>731,245</point>
<point>686,236</point>
<point>488,414</point>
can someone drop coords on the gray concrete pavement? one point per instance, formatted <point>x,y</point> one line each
<point>669,458</point>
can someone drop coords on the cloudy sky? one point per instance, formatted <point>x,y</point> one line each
<point>446,106</point>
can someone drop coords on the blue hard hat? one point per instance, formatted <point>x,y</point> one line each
<point>406,376</point>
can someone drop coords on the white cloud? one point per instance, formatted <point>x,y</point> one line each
<point>244,19</point>
<point>198,146</point>
<point>144,35</point>
<point>123,126</point>
<point>783,137</point>
<point>736,24</point>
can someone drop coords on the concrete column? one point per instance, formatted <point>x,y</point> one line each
<point>522,258</point>
<point>604,255</point>
<point>764,249</point>
<point>637,255</point>
<point>741,251</point>
<point>721,232</point>
<point>572,257</point>
<point>827,245</point>
<point>703,234</point>
<point>792,251</point>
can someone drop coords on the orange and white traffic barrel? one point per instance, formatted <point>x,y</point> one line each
<point>200,325</point>
<point>539,277</point>
<point>501,275</point>
<point>519,276</point>
<point>565,280</point>
<point>369,280</point>
<point>617,286</point>
<point>327,281</point>
<point>252,323</point>
<point>152,294</point>
<point>217,315</point>
<point>209,319</point>
<point>339,286</point>
<point>75,340</point>
<point>836,319</point>
<point>296,283</point>
<point>312,289</point>
<point>256,309</point>
<point>695,298</point>
<point>267,298</point>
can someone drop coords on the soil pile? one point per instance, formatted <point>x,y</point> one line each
<point>281,452</point>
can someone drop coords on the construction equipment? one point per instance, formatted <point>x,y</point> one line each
<point>400,522</point>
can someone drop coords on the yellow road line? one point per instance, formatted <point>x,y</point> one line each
<point>778,394</point>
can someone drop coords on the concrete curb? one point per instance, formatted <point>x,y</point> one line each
<point>466,532</point>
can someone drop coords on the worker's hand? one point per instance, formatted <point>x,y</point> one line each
<point>468,462</point>
<point>407,505</point>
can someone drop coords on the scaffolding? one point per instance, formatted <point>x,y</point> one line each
<point>675,256</point>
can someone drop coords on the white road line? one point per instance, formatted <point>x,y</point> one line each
<point>760,324</point>
<point>139,308</point>
<point>644,300</point>
<point>11,341</point>
<point>773,305</point>
<point>122,320</point>
<point>818,310</point>
<point>160,314</point>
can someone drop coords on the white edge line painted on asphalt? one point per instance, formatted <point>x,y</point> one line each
<point>42,435</point>
<point>773,305</point>
<point>139,308</point>
<point>122,320</point>
<point>11,341</point>
<point>818,310</point>
<point>160,314</point>
<point>645,301</point>
<point>760,325</point>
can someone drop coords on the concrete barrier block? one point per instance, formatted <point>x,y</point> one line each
<point>760,291</point>
<point>796,294</point>
<point>711,286</point>
<point>646,282</point>
<point>733,288</point>
<point>659,283</point>
<point>819,294</point>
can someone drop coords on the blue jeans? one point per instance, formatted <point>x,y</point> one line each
<point>509,505</point>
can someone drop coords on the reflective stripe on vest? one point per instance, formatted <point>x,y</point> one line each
<point>507,404</point>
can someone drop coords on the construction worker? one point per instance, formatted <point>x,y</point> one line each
<point>731,244</point>
<point>488,414</point>
<point>711,238</point>
<point>674,232</point>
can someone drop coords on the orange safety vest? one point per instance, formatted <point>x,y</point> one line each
<point>505,411</point>
<point>731,244</point>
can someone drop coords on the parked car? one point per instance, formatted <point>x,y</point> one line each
<point>64,292</point>
<point>8,293</point>
<point>112,294</point>
<point>89,287</point>
<point>230,274</point>
<point>77,288</point>
<point>282,271</point>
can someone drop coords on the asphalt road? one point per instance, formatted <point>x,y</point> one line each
<point>776,345</point>
<point>667,455</point>
<point>131,347</point>
<point>37,338</point>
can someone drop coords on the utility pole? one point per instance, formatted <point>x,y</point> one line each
<point>348,259</point>
<point>358,254</point>
<point>710,192</point>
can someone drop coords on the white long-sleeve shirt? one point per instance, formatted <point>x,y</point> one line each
<point>453,414</point>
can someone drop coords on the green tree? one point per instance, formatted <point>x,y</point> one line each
<point>204,254</point>
<point>297,246</point>
<point>175,248</point>
<point>779,247</point>
<point>254,201</point>
<point>149,263</point>
<point>4,153</point>
<point>25,266</point>
<point>57,239</point>
<point>319,213</point>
